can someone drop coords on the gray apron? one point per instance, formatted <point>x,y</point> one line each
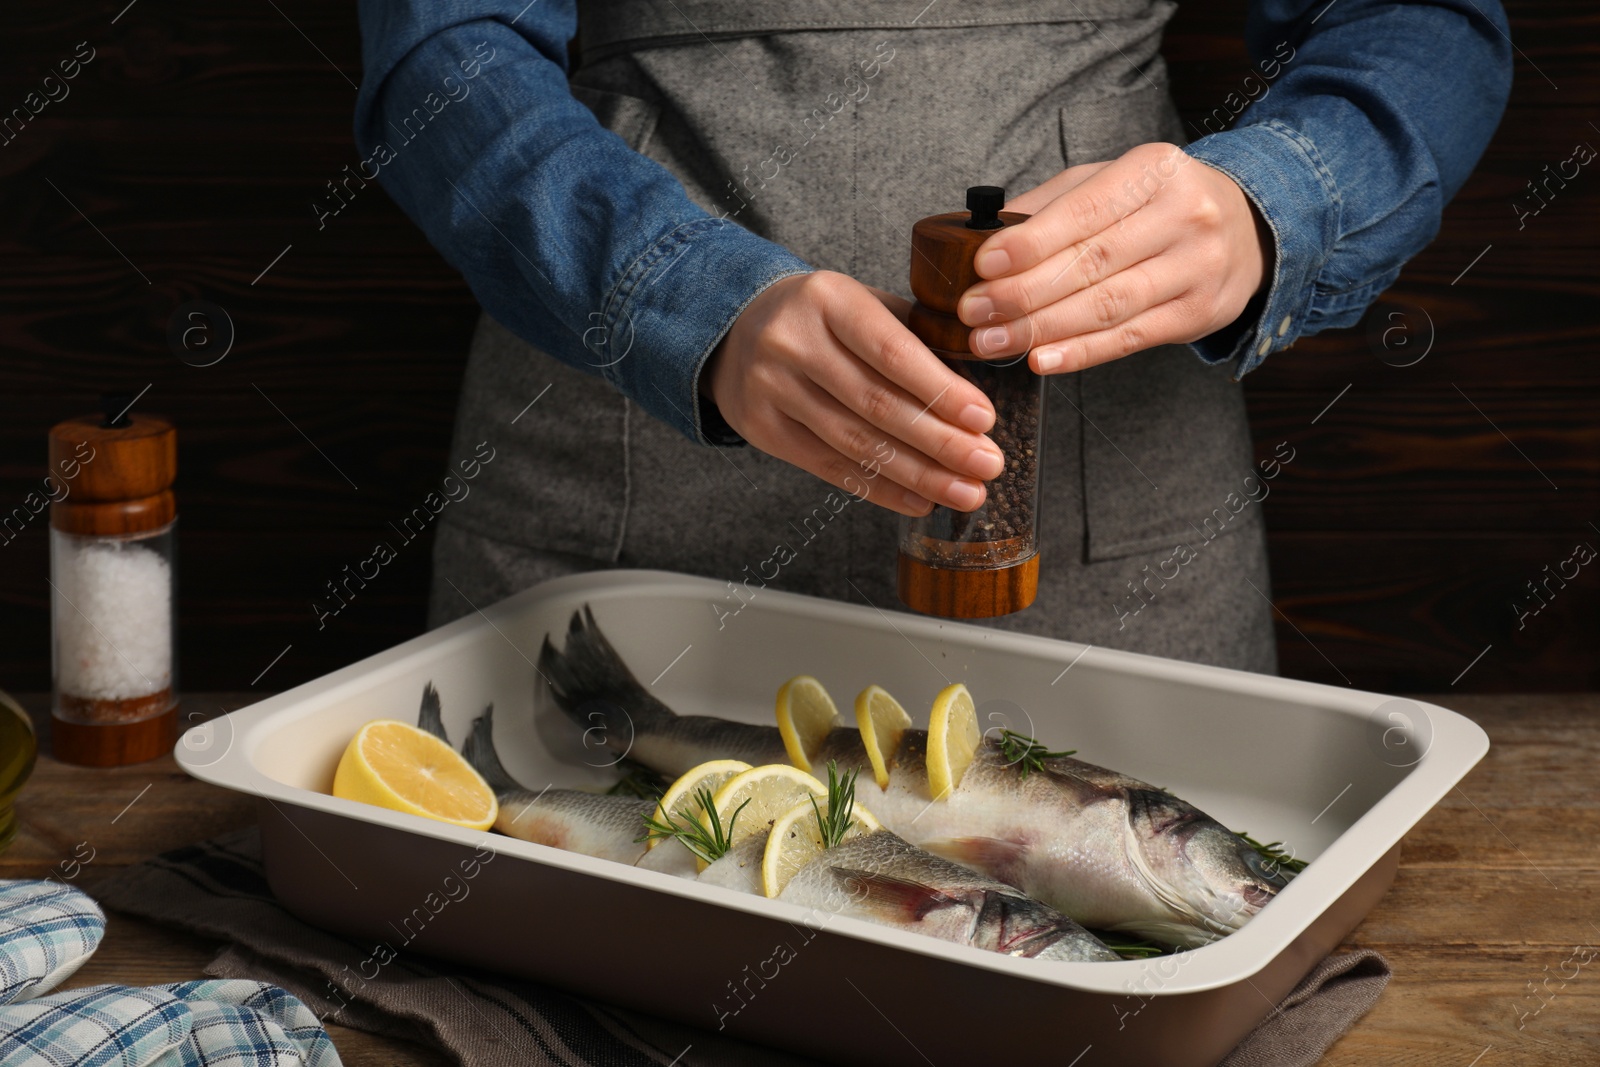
<point>1143,455</point>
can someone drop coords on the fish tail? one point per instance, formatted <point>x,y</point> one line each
<point>594,687</point>
<point>430,717</point>
<point>480,752</point>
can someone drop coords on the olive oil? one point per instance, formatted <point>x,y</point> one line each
<point>18,746</point>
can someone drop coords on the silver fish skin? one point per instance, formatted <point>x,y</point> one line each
<point>877,877</point>
<point>594,824</point>
<point>739,868</point>
<point>591,823</point>
<point>1112,852</point>
<point>884,879</point>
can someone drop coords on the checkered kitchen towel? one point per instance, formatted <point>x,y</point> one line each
<point>47,930</point>
<point>217,889</point>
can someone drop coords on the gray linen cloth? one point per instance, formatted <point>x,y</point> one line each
<point>218,889</point>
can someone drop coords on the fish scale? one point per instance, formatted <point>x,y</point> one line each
<point>877,877</point>
<point>594,824</point>
<point>885,879</point>
<point>1109,850</point>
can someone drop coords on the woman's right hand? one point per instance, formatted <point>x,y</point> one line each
<point>819,372</point>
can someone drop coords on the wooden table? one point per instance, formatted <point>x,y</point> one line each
<point>1496,888</point>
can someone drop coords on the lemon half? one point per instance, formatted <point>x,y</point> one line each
<point>394,765</point>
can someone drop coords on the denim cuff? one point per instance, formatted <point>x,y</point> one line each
<point>672,307</point>
<point>1282,174</point>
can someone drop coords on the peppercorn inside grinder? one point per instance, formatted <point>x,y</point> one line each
<point>983,563</point>
<point>112,541</point>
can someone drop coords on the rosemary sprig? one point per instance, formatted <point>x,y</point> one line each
<point>1273,853</point>
<point>1130,948</point>
<point>708,838</point>
<point>833,823</point>
<point>1024,752</point>
<point>638,782</point>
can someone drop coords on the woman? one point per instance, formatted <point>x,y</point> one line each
<point>688,222</point>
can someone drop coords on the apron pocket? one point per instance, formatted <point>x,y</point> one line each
<point>1103,124</point>
<point>1167,455</point>
<point>553,446</point>
<point>1166,444</point>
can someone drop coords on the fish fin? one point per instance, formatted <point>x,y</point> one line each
<point>894,898</point>
<point>994,856</point>
<point>594,687</point>
<point>430,717</point>
<point>479,751</point>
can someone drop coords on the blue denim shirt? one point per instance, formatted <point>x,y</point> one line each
<point>1358,122</point>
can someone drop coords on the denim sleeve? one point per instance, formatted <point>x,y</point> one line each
<point>566,235</point>
<point>1360,120</point>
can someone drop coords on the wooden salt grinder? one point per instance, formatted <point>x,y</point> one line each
<point>123,488</point>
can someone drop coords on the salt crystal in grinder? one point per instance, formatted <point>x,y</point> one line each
<point>111,577</point>
<point>981,563</point>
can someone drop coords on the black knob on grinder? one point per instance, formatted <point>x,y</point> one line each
<point>985,202</point>
<point>115,406</point>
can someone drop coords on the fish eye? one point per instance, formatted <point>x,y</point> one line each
<point>1268,871</point>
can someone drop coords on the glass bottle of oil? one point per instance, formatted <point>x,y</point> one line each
<point>17,750</point>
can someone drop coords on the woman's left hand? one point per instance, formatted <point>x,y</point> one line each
<point>1152,248</point>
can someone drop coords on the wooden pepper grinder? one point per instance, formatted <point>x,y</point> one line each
<point>979,564</point>
<point>111,576</point>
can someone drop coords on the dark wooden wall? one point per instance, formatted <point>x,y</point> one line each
<point>1423,501</point>
<point>189,153</point>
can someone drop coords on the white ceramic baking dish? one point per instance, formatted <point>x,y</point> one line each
<point>1339,775</point>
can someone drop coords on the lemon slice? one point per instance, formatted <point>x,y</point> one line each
<point>953,739</point>
<point>771,790</point>
<point>882,721</point>
<point>796,840</point>
<point>805,715</point>
<point>397,766</point>
<point>681,798</point>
